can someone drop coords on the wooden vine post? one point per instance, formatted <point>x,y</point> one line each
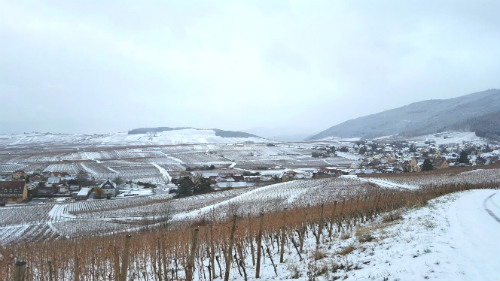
<point>212,250</point>
<point>250,238</point>
<point>283,230</point>
<point>320,227</point>
<point>332,220</point>
<point>259,245</point>
<point>304,228</point>
<point>229,251</point>
<point>125,258</point>
<point>190,265</point>
<point>76,264</point>
<point>51,278</point>
<point>20,271</point>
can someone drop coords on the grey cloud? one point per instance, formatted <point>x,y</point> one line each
<point>282,65</point>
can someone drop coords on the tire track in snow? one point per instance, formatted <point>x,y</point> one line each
<point>58,213</point>
<point>488,210</point>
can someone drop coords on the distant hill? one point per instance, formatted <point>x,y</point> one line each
<point>143,136</point>
<point>218,132</point>
<point>477,112</point>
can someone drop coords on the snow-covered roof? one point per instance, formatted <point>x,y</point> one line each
<point>209,174</point>
<point>234,184</point>
<point>108,184</point>
<point>84,191</point>
<point>52,180</point>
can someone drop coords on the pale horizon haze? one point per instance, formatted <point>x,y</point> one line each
<point>265,67</point>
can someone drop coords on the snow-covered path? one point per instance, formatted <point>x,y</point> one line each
<point>455,237</point>
<point>382,183</point>
<point>163,172</point>
<point>476,234</point>
<point>88,170</point>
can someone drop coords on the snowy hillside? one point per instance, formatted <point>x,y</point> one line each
<point>182,136</point>
<point>425,117</point>
<point>446,138</point>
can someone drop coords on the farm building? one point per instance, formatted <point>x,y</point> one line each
<point>13,191</point>
<point>109,189</point>
<point>83,194</point>
<point>47,190</point>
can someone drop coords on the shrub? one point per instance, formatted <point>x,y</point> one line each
<point>345,251</point>
<point>392,216</point>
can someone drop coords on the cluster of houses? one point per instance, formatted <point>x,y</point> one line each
<point>219,178</point>
<point>230,178</point>
<point>399,157</point>
<point>20,186</point>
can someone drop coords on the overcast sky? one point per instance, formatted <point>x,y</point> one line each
<point>267,67</point>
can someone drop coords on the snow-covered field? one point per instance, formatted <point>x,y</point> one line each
<point>153,163</point>
<point>451,137</point>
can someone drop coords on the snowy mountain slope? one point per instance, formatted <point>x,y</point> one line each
<point>172,137</point>
<point>421,118</point>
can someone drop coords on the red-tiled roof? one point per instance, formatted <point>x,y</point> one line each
<point>17,186</point>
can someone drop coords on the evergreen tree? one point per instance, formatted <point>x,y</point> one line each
<point>362,150</point>
<point>186,186</point>
<point>427,166</point>
<point>413,148</point>
<point>487,148</point>
<point>203,185</point>
<point>463,157</point>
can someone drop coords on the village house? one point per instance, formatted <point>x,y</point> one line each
<point>208,175</point>
<point>332,171</point>
<point>19,175</point>
<point>266,178</point>
<point>109,189</point>
<point>74,187</point>
<point>61,175</point>
<point>47,189</point>
<point>321,174</point>
<point>233,184</point>
<point>440,163</point>
<point>13,191</point>
<point>63,188</point>
<point>412,166</point>
<point>52,181</point>
<point>36,179</point>
<point>238,178</point>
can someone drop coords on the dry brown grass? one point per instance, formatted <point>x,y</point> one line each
<point>319,254</point>
<point>392,216</point>
<point>345,251</point>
